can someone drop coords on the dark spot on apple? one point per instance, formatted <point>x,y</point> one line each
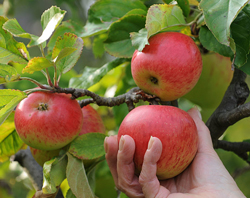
<point>42,107</point>
<point>154,80</point>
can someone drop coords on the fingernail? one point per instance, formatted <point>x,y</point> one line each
<point>121,143</point>
<point>198,112</point>
<point>106,144</point>
<point>150,142</point>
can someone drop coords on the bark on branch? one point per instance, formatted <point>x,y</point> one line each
<point>231,110</point>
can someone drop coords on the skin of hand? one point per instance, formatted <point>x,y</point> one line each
<point>205,177</point>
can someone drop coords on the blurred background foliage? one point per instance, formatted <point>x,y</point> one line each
<point>14,182</point>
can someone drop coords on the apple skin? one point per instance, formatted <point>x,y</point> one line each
<point>168,67</point>
<point>92,122</point>
<point>173,126</point>
<point>48,121</point>
<point>42,156</point>
<point>215,78</point>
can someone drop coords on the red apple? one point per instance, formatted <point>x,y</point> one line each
<point>48,121</point>
<point>92,122</point>
<point>173,126</point>
<point>168,67</point>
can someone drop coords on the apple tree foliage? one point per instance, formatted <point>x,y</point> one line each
<point>118,28</point>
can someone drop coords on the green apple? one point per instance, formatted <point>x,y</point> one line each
<point>216,76</point>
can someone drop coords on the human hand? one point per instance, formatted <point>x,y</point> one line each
<point>205,177</point>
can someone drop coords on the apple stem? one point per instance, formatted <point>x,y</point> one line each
<point>42,107</point>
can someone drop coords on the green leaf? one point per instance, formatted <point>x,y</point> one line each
<point>98,45</point>
<point>16,50</point>
<point>246,67</point>
<point>70,194</point>
<point>91,76</point>
<point>64,52</point>
<point>10,142</point>
<point>240,30</point>
<point>54,172</point>
<point>164,17</point>
<point>9,100</point>
<point>218,17</point>
<point>37,64</point>
<point>14,28</point>
<point>88,146</point>
<point>68,62</point>
<point>208,41</point>
<point>184,5</point>
<point>64,27</point>
<point>119,35</point>
<point>8,74</point>
<point>140,39</point>
<point>6,56</point>
<point>50,19</point>
<point>110,10</point>
<point>77,178</point>
<point>92,29</point>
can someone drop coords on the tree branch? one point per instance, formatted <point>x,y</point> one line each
<point>231,108</point>
<point>131,97</point>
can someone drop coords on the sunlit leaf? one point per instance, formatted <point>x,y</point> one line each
<point>64,52</point>
<point>37,64</point>
<point>14,28</point>
<point>91,76</point>
<point>64,27</point>
<point>9,100</point>
<point>140,39</point>
<point>10,142</point>
<point>77,178</point>
<point>54,172</point>
<point>8,74</point>
<point>68,62</point>
<point>50,19</point>
<point>218,17</point>
<point>164,17</point>
<point>10,44</point>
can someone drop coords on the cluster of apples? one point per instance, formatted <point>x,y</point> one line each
<point>169,67</point>
<point>48,122</point>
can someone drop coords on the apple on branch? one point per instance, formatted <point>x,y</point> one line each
<point>48,121</point>
<point>173,126</point>
<point>168,67</point>
<point>92,122</point>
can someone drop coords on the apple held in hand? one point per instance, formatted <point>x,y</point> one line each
<point>173,126</point>
<point>168,67</point>
<point>48,121</point>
